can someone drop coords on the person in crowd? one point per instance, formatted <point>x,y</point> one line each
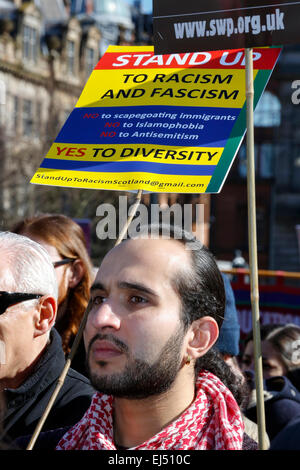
<point>285,341</point>
<point>5,443</point>
<point>228,344</point>
<point>289,437</point>
<point>32,357</point>
<point>156,309</point>
<point>280,357</point>
<point>65,242</point>
<point>229,336</point>
<point>280,351</point>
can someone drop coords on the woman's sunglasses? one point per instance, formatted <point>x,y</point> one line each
<point>61,262</point>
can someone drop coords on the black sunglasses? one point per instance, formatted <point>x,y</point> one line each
<point>11,298</point>
<point>61,262</point>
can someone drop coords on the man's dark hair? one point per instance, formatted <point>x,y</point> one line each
<point>203,293</point>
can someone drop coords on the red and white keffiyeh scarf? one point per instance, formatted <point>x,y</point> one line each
<point>212,421</point>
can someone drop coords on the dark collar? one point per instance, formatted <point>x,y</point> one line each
<point>46,370</point>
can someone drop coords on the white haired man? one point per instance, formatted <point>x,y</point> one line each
<point>32,357</point>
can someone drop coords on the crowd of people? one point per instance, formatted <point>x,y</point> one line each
<point>159,365</point>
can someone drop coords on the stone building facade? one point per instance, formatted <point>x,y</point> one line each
<point>47,52</point>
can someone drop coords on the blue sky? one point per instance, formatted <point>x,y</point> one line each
<point>146,5</point>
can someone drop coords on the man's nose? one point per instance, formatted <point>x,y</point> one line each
<point>104,316</point>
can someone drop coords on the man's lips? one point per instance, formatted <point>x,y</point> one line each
<point>105,349</point>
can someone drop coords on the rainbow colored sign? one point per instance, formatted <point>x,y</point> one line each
<point>278,302</point>
<point>161,123</point>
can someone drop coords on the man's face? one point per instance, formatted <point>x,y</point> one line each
<point>272,363</point>
<point>16,332</point>
<point>134,334</point>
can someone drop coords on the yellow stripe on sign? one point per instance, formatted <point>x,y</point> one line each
<point>122,181</point>
<point>168,87</point>
<point>136,152</point>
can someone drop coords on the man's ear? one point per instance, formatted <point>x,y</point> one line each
<point>202,335</point>
<point>46,314</point>
<point>75,273</point>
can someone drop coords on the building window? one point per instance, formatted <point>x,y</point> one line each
<point>15,113</point>
<point>27,118</point>
<point>90,61</point>
<point>77,6</point>
<point>267,116</point>
<point>266,154</point>
<point>38,122</point>
<point>113,7</point>
<point>30,44</point>
<point>268,111</point>
<point>2,92</point>
<point>70,57</point>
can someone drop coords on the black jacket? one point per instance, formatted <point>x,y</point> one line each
<point>289,437</point>
<point>26,404</point>
<point>281,402</point>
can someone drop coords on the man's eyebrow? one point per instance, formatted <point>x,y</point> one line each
<point>97,286</point>
<point>125,285</point>
<point>137,286</point>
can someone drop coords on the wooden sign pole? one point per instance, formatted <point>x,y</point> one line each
<point>253,251</point>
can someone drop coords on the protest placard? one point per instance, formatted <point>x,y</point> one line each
<point>168,123</point>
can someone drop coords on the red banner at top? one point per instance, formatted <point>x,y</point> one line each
<point>231,59</point>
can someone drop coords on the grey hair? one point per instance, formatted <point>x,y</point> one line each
<point>286,341</point>
<point>30,265</point>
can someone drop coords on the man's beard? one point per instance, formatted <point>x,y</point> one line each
<point>140,379</point>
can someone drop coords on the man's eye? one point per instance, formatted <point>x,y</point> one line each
<point>136,299</point>
<point>246,362</point>
<point>99,299</point>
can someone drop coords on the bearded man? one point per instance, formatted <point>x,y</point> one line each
<point>157,305</point>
